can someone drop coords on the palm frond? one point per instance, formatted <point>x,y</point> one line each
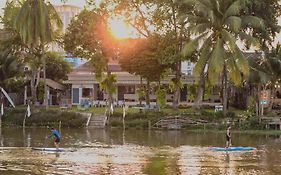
<point>242,62</point>
<point>199,28</point>
<point>234,23</point>
<point>192,45</point>
<point>229,40</point>
<point>203,57</point>
<point>252,21</point>
<point>216,62</point>
<point>234,72</point>
<point>233,10</point>
<point>249,39</point>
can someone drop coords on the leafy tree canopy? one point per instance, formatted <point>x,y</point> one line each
<point>141,57</point>
<point>269,11</point>
<point>56,67</point>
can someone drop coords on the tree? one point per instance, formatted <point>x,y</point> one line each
<point>37,23</point>
<point>269,11</point>
<point>56,68</point>
<point>140,57</point>
<point>150,17</point>
<point>265,74</point>
<point>10,67</point>
<point>218,25</point>
<point>88,37</point>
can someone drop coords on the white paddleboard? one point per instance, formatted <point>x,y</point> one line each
<point>48,149</point>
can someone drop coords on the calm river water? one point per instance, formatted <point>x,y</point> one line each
<point>114,152</point>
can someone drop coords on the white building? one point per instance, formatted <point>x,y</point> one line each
<point>66,13</point>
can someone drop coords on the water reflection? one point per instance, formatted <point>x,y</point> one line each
<point>119,152</point>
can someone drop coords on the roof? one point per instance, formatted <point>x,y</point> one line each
<point>86,69</point>
<point>52,84</point>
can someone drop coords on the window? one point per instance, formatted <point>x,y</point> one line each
<point>130,90</point>
<point>86,92</point>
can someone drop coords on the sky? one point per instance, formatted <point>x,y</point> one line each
<point>81,3</point>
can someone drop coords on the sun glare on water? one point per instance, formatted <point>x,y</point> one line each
<point>121,30</point>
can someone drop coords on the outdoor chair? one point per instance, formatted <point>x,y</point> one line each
<point>103,103</point>
<point>83,105</point>
<point>120,103</point>
<point>65,104</point>
<point>96,103</point>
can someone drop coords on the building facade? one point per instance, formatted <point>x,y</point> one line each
<point>66,13</point>
<point>84,86</point>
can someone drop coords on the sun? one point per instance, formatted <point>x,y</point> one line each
<point>120,29</point>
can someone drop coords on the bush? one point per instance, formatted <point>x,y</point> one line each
<point>252,123</point>
<point>45,118</point>
<point>230,114</point>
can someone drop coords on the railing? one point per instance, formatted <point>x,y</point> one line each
<point>177,121</point>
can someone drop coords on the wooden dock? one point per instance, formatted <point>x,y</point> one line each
<point>176,122</point>
<point>272,122</point>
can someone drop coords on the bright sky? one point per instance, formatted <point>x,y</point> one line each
<point>81,3</point>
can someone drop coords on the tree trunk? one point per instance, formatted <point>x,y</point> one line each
<point>177,90</point>
<point>110,95</point>
<point>270,99</point>
<point>141,86</point>
<point>225,87</point>
<point>34,82</point>
<point>200,91</point>
<point>1,101</point>
<point>45,83</point>
<point>147,93</point>
<point>258,111</point>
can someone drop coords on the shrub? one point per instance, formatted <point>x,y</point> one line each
<point>45,118</point>
<point>230,114</point>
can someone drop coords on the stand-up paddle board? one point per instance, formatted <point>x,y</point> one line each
<point>49,149</point>
<point>232,149</point>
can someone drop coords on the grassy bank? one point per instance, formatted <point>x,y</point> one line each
<point>241,120</point>
<point>41,117</point>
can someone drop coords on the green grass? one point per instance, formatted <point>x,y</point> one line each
<point>139,119</point>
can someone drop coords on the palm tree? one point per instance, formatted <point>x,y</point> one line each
<point>217,25</point>
<point>9,67</point>
<point>265,74</point>
<point>37,23</point>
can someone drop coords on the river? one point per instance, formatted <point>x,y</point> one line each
<point>155,152</point>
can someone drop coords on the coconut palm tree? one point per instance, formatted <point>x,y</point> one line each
<point>217,25</point>
<point>10,67</point>
<point>37,23</point>
<point>265,74</point>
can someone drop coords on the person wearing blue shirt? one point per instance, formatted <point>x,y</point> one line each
<point>57,137</point>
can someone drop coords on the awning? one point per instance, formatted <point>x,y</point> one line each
<point>52,84</point>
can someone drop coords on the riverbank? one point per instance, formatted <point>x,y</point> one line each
<point>43,118</point>
<point>206,119</point>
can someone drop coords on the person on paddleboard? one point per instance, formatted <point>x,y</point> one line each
<point>228,137</point>
<point>57,136</point>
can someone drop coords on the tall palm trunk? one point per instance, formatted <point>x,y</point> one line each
<point>45,83</point>
<point>177,90</point>
<point>200,91</point>
<point>225,88</point>
<point>141,86</point>
<point>34,82</point>
<point>1,101</point>
<point>270,99</point>
<point>147,92</point>
<point>110,95</point>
